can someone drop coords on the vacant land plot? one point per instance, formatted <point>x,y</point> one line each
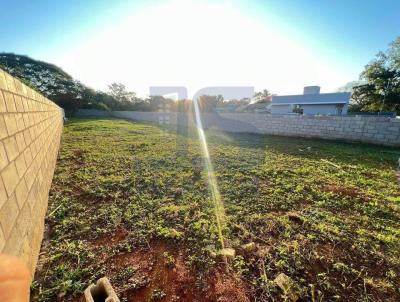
<point>131,201</point>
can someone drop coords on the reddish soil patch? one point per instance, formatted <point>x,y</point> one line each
<point>79,156</point>
<point>228,288</point>
<point>157,278</point>
<point>111,239</point>
<point>344,191</point>
<point>177,282</point>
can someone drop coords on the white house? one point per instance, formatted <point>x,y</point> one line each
<point>311,102</point>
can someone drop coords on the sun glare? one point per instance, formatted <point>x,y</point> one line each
<point>198,44</point>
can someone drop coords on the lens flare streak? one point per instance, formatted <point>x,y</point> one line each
<point>212,180</point>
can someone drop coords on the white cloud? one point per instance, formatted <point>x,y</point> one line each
<point>198,44</point>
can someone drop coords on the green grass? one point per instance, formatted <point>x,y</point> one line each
<point>327,214</point>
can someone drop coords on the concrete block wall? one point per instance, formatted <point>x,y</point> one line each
<point>30,130</point>
<point>93,113</point>
<point>367,129</point>
<point>155,117</point>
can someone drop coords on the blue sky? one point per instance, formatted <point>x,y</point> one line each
<point>279,45</point>
<point>356,29</point>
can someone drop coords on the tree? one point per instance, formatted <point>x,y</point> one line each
<point>263,96</point>
<point>48,79</point>
<point>160,103</point>
<point>125,100</point>
<point>119,92</point>
<point>208,103</point>
<point>382,89</point>
<point>349,87</point>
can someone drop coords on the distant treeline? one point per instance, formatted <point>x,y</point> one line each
<point>377,90</point>
<point>70,94</point>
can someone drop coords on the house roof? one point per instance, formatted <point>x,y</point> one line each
<point>320,98</point>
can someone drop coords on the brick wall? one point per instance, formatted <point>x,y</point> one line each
<point>30,129</point>
<point>367,129</point>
